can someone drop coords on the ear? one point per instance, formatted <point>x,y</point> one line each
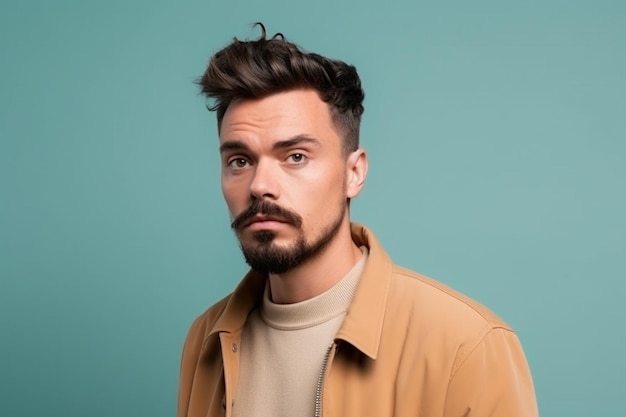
<point>356,171</point>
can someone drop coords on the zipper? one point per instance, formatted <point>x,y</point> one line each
<point>320,382</point>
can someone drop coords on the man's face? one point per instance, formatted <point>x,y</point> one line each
<point>283,178</point>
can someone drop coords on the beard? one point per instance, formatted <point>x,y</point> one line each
<point>265,256</point>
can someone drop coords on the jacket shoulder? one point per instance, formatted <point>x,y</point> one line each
<point>205,322</point>
<point>431,298</point>
<point>202,327</point>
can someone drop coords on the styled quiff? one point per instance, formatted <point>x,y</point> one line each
<point>259,68</point>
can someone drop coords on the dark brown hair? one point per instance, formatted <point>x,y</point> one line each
<point>259,68</point>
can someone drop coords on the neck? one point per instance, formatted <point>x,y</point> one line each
<point>317,275</point>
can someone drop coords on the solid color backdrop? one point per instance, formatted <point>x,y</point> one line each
<point>496,134</point>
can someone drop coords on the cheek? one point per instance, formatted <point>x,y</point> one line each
<point>232,196</point>
<point>322,198</point>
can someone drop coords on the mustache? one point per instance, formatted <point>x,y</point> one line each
<point>268,209</point>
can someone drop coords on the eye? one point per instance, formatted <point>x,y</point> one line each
<point>296,158</point>
<point>238,163</point>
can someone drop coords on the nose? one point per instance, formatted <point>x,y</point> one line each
<point>264,182</point>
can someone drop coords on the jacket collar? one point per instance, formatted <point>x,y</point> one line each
<point>362,326</point>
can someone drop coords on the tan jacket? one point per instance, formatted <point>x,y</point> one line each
<point>409,346</point>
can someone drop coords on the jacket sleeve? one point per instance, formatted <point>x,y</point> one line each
<point>492,379</point>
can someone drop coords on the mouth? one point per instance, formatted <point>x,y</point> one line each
<point>261,221</point>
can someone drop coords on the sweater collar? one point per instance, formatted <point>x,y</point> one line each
<point>362,326</point>
<point>316,310</point>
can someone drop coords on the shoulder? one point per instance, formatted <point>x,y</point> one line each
<point>230,313</point>
<point>424,298</point>
<point>203,324</point>
<point>445,326</point>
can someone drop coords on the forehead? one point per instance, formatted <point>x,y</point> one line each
<point>278,116</point>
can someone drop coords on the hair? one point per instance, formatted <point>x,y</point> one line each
<point>259,68</point>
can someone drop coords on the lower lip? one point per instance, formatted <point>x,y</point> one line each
<point>265,225</point>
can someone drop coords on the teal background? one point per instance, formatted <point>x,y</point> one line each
<point>496,134</point>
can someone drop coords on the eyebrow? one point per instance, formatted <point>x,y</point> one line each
<point>296,140</point>
<point>233,145</point>
<point>237,145</point>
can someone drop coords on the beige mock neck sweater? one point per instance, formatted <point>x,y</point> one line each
<point>283,348</point>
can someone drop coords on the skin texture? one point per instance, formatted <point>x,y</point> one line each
<point>284,151</point>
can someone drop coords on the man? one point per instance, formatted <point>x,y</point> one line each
<point>324,323</point>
